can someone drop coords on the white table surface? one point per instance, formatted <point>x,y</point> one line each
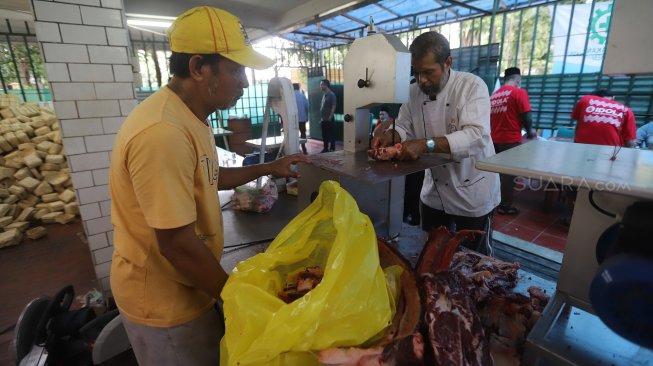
<point>218,131</point>
<point>228,158</point>
<point>270,142</point>
<point>579,165</point>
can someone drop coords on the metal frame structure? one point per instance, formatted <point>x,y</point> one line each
<point>468,24</point>
<point>552,94</point>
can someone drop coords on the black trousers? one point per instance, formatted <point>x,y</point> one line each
<point>507,181</point>
<point>329,134</point>
<point>412,190</point>
<point>302,134</point>
<point>432,219</point>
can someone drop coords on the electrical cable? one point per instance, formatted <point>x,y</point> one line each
<point>599,209</point>
<point>7,329</point>
<point>245,245</point>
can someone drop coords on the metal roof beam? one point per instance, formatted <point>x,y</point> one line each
<point>387,9</point>
<point>464,5</point>
<point>407,17</point>
<point>354,19</point>
<point>448,8</point>
<point>320,25</point>
<point>346,38</point>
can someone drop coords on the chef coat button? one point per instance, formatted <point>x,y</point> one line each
<point>446,184</point>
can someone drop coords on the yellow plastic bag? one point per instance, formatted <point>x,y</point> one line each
<point>351,305</point>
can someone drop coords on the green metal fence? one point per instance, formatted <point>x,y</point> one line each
<point>559,46</point>
<point>21,64</point>
<point>553,97</point>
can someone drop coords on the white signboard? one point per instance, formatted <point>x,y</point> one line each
<point>598,22</point>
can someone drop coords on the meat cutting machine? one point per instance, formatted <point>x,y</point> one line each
<point>376,71</point>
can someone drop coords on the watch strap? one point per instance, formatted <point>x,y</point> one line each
<point>430,145</point>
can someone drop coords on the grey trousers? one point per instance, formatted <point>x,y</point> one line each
<point>194,343</point>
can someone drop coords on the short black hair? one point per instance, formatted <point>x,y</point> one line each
<point>295,86</point>
<point>384,109</point>
<point>326,82</point>
<point>511,71</point>
<point>431,42</point>
<point>600,92</point>
<point>512,77</point>
<point>179,63</point>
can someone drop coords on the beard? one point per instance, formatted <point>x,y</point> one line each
<point>432,90</point>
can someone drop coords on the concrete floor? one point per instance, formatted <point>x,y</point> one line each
<point>42,267</point>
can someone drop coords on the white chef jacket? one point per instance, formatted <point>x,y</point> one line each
<point>461,113</point>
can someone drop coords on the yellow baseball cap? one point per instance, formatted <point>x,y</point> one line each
<point>209,30</point>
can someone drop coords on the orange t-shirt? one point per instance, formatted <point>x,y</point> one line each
<point>163,175</point>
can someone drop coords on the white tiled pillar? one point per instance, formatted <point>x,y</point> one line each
<point>85,51</point>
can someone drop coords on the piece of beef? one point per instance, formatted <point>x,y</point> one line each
<point>348,356</point>
<point>385,153</point>
<point>407,351</point>
<point>539,298</point>
<point>483,275</point>
<point>440,248</point>
<point>455,332</point>
<point>408,307</point>
<point>304,282</point>
<point>507,319</point>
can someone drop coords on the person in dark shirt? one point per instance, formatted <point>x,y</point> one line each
<point>327,110</point>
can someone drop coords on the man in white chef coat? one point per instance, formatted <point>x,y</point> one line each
<point>448,112</point>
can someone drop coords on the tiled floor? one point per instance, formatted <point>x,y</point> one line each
<point>540,220</point>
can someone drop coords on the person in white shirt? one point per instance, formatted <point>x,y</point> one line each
<point>448,112</point>
<point>302,113</point>
<point>645,136</point>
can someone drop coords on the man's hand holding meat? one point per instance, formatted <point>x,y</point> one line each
<point>385,139</point>
<point>410,149</point>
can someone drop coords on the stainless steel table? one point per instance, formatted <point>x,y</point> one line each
<point>377,186</point>
<point>568,333</point>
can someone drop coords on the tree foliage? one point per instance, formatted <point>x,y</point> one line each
<point>29,72</point>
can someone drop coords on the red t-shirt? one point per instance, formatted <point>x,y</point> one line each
<point>603,121</point>
<point>508,103</point>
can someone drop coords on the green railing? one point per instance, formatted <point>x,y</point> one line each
<point>21,64</point>
<point>541,40</point>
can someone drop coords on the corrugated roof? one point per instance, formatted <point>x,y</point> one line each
<point>394,16</point>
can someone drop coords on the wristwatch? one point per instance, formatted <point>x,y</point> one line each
<point>430,145</point>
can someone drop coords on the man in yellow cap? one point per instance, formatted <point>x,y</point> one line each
<point>164,177</point>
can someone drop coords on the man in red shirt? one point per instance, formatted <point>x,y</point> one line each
<point>602,121</point>
<point>510,111</point>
